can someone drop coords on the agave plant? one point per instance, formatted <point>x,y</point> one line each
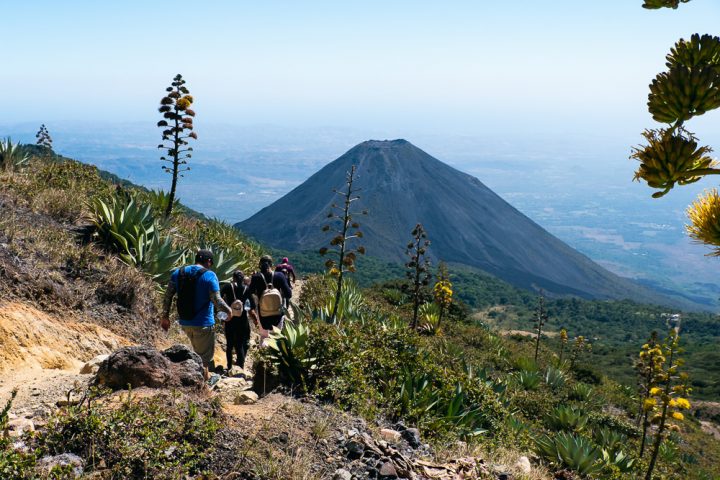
<point>118,224</point>
<point>619,460</point>
<point>567,418</point>
<point>609,439</point>
<point>482,376</point>
<point>131,231</point>
<point>417,397</point>
<point>571,451</point>
<point>12,156</point>
<point>429,318</point>
<point>157,257</point>
<point>555,378</point>
<point>351,305</point>
<point>526,364</point>
<point>288,351</point>
<point>581,391</point>
<point>226,261</point>
<point>467,420</point>
<point>516,425</point>
<point>528,380</point>
<point>158,200</point>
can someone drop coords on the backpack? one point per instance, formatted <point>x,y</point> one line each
<point>186,284</point>
<point>237,306</point>
<point>270,302</point>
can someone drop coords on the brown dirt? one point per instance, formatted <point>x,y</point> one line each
<point>31,339</point>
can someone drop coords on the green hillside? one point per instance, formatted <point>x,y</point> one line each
<point>459,381</point>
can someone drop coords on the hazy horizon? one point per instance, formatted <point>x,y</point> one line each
<point>462,67</point>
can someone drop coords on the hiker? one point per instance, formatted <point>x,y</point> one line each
<point>237,328</point>
<point>286,268</point>
<point>271,289</point>
<point>198,291</point>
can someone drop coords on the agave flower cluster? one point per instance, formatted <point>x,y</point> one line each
<point>671,155</point>
<point>704,215</point>
<point>666,396</point>
<point>580,345</point>
<point>442,291</point>
<point>563,342</point>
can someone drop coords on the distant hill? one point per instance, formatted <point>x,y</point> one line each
<point>466,221</point>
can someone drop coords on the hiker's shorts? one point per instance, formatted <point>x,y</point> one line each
<point>202,340</point>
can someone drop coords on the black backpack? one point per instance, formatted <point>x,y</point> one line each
<point>186,292</point>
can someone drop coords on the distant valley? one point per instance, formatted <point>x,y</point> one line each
<point>598,211</point>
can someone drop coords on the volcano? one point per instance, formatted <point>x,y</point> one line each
<point>467,223</point>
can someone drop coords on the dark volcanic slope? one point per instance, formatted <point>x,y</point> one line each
<point>466,221</point>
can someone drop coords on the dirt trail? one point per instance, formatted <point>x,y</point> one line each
<point>41,355</point>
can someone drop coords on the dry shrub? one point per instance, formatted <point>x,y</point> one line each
<point>125,286</point>
<point>61,205</point>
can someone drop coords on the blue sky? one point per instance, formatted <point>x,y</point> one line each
<point>468,67</point>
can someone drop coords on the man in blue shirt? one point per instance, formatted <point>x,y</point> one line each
<point>199,325</point>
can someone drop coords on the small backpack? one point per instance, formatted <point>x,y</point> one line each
<point>270,302</point>
<point>186,293</point>
<point>237,306</point>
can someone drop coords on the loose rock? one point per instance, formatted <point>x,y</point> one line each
<point>355,449</point>
<point>387,471</point>
<point>93,365</point>
<point>247,397</point>
<point>46,464</point>
<point>412,436</point>
<point>18,426</point>
<point>523,465</point>
<point>390,435</point>
<point>342,474</point>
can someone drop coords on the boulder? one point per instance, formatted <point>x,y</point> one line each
<point>142,366</point>
<point>93,365</point>
<point>45,465</point>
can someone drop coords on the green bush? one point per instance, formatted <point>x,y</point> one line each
<point>14,463</point>
<point>316,292</point>
<point>153,437</point>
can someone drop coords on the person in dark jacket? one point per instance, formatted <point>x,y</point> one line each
<point>237,328</point>
<point>286,268</point>
<point>259,282</point>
